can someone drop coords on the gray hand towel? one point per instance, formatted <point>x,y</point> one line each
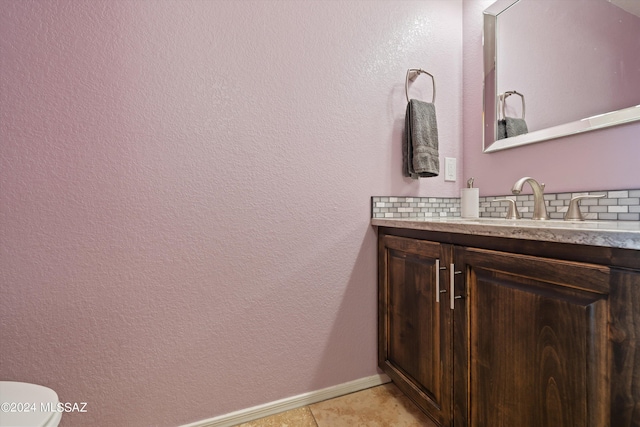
<point>515,127</point>
<point>511,127</point>
<point>502,129</point>
<point>420,144</point>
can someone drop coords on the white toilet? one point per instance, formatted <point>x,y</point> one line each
<point>40,401</point>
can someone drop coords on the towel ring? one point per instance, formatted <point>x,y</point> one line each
<point>412,74</point>
<point>503,99</point>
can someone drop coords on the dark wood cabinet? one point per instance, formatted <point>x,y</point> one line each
<point>536,335</point>
<point>416,323</point>
<point>537,340</point>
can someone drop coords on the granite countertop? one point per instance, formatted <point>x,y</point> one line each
<point>614,234</point>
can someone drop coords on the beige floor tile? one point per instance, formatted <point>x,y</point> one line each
<point>300,417</point>
<point>382,406</point>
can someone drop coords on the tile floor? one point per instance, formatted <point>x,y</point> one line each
<point>382,406</point>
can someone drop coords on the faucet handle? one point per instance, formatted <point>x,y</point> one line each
<point>574,213</point>
<point>512,212</point>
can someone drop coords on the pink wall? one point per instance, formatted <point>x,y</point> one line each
<point>184,213</point>
<point>600,160</point>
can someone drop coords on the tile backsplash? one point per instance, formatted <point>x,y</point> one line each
<point>619,205</point>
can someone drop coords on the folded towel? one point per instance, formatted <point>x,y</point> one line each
<point>515,127</point>
<point>502,129</point>
<point>420,144</point>
<point>511,127</point>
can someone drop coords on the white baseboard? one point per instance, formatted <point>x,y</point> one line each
<point>260,411</point>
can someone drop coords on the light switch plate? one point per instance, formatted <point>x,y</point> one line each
<point>449,168</point>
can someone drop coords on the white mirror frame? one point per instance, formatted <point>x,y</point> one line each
<point>490,101</point>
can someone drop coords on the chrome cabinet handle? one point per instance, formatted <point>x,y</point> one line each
<point>438,290</point>
<point>452,279</point>
<point>437,280</point>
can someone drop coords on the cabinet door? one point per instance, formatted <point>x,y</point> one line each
<point>538,349</point>
<point>414,346</point>
<point>624,330</point>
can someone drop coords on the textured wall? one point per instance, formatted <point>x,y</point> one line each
<point>184,204</point>
<point>599,160</point>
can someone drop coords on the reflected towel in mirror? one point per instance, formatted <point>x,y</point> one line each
<point>511,126</point>
<point>515,126</point>
<point>502,129</point>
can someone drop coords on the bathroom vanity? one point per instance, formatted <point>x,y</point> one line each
<point>512,323</point>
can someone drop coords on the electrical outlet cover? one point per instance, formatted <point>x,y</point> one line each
<point>449,168</point>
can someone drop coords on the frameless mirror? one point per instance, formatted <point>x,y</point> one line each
<point>573,66</point>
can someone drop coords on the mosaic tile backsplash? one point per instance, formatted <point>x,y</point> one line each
<point>619,205</point>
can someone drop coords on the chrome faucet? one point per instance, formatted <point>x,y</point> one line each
<point>539,206</point>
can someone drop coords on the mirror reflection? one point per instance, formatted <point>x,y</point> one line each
<point>571,66</point>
